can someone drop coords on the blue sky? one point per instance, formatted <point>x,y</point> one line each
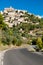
<point>32,6</point>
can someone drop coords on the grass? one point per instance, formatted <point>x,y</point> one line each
<point>5,47</point>
<point>2,47</point>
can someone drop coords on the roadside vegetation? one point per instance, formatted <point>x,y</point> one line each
<point>23,33</point>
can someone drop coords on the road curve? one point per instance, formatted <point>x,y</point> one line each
<point>22,57</point>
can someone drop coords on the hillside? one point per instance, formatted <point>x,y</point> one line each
<point>19,26</point>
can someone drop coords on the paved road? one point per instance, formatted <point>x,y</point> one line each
<point>22,57</point>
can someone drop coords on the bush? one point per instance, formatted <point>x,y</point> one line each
<point>39,43</point>
<point>18,43</point>
<point>14,41</point>
<point>29,42</point>
<point>6,41</point>
<point>3,41</point>
<point>34,42</point>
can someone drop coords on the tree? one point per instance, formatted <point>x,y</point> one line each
<point>2,24</point>
<point>39,43</point>
<point>1,19</point>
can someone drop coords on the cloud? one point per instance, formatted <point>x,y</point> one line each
<point>39,16</point>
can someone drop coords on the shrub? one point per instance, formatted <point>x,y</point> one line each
<point>14,41</point>
<point>19,42</point>
<point>34,42</point>
<point>29,42</point>
<point>39,43</point>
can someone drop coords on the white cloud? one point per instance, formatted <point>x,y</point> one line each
<point>38,16</point>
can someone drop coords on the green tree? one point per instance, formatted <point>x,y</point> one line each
<point>39,43</point>
<point>2,24</point>
<point>1,20</point>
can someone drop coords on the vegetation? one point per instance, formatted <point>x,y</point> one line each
<point>38,42</point>
<point>17,34</point>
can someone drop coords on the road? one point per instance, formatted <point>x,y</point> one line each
<point>22,57</point>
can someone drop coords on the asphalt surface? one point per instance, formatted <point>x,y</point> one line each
<point>22,57</point>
